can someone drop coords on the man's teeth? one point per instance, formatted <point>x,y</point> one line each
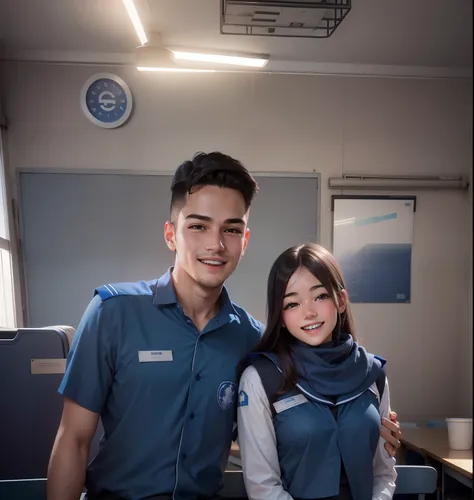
<point>312,327</point>
<point>213,262</point>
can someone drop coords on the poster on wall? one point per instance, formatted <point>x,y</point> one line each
<point>372,241</point>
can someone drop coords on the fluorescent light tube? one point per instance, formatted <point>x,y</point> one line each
<point>175,70</point>
<point>137,24</point>
<point>253,62</point>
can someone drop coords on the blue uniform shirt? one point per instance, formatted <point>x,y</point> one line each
<point>166,393</point>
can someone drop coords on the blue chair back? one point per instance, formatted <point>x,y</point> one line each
<point>31,368</point>
<point>415,480</point>
<point>24,489</point>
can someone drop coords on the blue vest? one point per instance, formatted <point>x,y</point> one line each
<point>312,441</point>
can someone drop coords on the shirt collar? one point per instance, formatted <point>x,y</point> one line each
<point>164,294</point>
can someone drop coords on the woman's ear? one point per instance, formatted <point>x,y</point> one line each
<point>343,300</point>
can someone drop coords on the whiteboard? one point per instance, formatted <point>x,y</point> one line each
<point>80,231</point>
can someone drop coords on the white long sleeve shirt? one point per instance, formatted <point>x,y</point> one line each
<point>258,445</point>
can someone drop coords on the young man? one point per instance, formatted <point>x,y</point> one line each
<point>156,361</point>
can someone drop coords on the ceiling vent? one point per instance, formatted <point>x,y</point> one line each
<point>284,18</point>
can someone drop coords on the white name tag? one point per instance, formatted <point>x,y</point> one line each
<point>47,366</point>
<point>291,402</point>
<point>153,356</point>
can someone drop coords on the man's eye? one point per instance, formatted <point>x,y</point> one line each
<point>196,227</point>
<point>234,230</point>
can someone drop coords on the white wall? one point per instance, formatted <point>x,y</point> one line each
<point>465,346</point>
<point>294,123</point>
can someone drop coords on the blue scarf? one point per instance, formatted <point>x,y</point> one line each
<point>340,370</point>
<point>335,373</point>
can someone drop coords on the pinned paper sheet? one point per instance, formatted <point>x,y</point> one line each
<point>372,241</point>
<point>48,366</point>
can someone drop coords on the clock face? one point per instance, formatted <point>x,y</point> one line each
<point>106,100</point>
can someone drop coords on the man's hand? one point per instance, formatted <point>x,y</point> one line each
<point>391,433</point>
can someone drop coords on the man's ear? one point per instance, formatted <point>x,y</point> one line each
<point>170,235</point>
<point>246,239</point>
<point>343,301</point>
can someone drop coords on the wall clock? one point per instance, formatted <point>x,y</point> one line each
<point>106,100</point>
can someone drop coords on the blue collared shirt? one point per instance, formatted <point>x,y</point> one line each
<point>166,392</point>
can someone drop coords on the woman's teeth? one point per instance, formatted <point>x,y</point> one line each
<point>312,327</point>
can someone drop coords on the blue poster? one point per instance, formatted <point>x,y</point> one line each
<point>372,240</point>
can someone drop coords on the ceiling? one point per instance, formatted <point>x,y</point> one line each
<point>404,33</point>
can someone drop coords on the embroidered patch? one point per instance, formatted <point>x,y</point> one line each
<point>234,317</point>
<point>243,399</point>
<point>226,394</point>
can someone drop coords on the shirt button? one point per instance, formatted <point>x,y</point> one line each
<point>184,456</point>
<point>191,416</point>
<point>198,377</point>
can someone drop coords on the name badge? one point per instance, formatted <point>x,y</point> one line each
<point>154,356</point>
<point>291,402</point>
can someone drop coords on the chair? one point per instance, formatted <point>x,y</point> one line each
<point>234,486</point>
<point>411,480</point>
<point>32,364</point>
<point>415,480</point>
<point>24,489</point>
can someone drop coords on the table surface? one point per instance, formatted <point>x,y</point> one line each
<point>434,443</point>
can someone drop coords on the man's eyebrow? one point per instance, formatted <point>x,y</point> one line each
<point>206,218</point>
<point>199,217</point>
<point>235,221</point>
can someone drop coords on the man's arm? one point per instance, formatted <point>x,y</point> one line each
<point>391,432</point>
<point>385,475</point>
<point>68,462</point>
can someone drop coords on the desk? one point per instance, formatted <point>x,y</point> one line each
<point>433,445</point>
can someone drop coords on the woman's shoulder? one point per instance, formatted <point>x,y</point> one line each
<point>250,374</point>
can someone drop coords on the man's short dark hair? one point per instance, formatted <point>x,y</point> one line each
<point>212,169</point>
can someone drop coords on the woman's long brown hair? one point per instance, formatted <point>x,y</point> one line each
<point>276,338</point>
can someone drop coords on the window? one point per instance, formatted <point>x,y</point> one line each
<point>7,300</point>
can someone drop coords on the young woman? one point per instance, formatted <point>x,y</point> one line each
<point>310,398</point>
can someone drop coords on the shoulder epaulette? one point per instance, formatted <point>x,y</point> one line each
<point>117,289</point>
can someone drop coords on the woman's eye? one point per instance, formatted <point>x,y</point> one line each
<point>323,296</point>
<point>291,305</point>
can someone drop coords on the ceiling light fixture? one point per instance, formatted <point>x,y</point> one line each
<point>159,59</point>
<point>175,70</point>
<point>253,62</point>
<point>290,18</point>
<point>137,24</point>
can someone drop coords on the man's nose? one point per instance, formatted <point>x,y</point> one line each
<point>215,243</point>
